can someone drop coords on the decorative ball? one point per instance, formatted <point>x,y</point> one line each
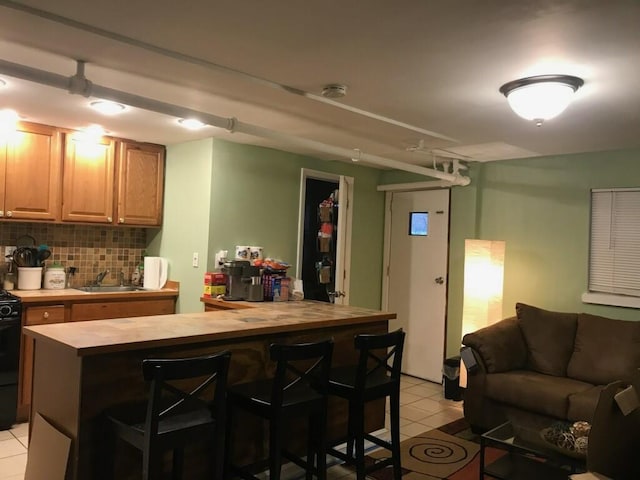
<point>580,429</point>
<point>567,441</point>
<point>581,445</point>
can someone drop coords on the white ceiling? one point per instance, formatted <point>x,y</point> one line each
<point>435,66</point>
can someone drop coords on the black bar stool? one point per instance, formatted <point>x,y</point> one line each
<point>298,389</point>
<point>173,417</point>
<point>376,376</point>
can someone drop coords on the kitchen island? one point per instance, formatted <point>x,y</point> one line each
<point>82,368</point>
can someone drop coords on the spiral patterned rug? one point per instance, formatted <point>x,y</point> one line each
<point>450,452</point>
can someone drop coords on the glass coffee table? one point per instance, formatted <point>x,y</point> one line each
<point>528,455</point>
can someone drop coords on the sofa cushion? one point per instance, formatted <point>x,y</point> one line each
<point>583,404</point>
<point>500,345</point>
<point>549,337</point>
<point>545,394</point>
<point>605,350</point>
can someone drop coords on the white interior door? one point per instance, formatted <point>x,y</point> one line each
<point>417,277</point>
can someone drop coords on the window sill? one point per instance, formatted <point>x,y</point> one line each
<point>611,299</point>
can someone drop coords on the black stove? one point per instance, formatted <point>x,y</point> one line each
<point>10,331</point>
<point>10,305</point>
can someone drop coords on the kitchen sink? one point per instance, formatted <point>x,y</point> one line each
<point>109,288</point>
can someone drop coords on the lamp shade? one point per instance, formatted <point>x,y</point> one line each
<point>541,98</point>
<point>483,283</point>
<point>483,286</point>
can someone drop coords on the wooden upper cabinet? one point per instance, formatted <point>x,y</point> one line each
<point>31,169</point>
<point>140,184</point>
<point>88,181</point>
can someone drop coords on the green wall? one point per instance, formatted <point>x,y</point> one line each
<point>186,218</point>
<point>541,208</point>
<point>220,194</point>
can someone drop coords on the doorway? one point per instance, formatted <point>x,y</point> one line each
<point>324,241</point>
<point>415,286</point>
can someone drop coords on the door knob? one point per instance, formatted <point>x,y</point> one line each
<point>439,280</point>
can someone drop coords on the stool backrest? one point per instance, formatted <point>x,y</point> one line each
<point>380,361</point>
<point>166,398</point>
<point>300,365</point>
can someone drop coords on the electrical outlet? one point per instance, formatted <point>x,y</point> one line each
<point>8,251</point>
<point>196,259</point>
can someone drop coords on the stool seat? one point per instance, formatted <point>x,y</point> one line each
<point>186,404</point>
<point>376,376</point>
<point>298,389</point>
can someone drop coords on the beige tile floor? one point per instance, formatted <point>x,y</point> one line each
<point>423,407</point>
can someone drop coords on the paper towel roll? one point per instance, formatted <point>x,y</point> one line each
<point>155,272</point>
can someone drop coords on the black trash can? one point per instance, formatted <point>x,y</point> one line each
<point>451,379</point>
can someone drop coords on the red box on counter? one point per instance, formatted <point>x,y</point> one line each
<point>215,278</point>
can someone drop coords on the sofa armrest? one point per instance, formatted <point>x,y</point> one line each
<point>500,346</point>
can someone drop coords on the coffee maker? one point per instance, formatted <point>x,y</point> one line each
<point>244,281</point>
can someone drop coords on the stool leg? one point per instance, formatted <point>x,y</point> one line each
<point>321,445</point>
<point>275,449</point>
<point>394,420</point>
<point>178,463</point>
<point>311,447</point>
<point>359,442</point>
<point>228,445</point>
<point>351,431</point>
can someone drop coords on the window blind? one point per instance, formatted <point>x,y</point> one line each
<point>614,263</point>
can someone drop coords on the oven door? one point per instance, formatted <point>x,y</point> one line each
<point>9,350</point>
<point>9,363</point>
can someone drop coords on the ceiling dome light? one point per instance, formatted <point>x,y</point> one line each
<point>191,123</point>
<point>541,98</point>
<point>106,107</point>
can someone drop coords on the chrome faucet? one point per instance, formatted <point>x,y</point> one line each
<point>100,277</point>
<point>121,278</point>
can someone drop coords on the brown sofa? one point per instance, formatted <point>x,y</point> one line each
<point>541,365</point>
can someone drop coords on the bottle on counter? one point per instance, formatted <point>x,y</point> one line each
<point>9,282</point>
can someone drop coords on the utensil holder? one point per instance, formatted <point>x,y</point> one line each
<point>29,278</point>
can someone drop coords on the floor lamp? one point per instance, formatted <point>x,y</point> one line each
<point>483,286</point>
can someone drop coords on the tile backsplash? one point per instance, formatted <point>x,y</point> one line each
<point>91,249</point>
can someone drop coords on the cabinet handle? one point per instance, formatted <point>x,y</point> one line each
<point>109,219</point>
<point>45,315</point>
<point>9,213</point>
<point>121,220</point>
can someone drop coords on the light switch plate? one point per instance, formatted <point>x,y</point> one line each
<point>196,259</point>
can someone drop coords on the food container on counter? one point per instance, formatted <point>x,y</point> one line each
<point>54,277</point>
<point>29,278</point>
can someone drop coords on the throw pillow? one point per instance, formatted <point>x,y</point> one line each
<point>605,350</point>
<point>549,337</point>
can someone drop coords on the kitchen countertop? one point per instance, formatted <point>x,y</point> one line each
<point>125,334</point>
<point>72,294</point>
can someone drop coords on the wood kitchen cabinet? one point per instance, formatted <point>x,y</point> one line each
<point>140,184</point>
<point>88,180</point>
<point>30,169</point>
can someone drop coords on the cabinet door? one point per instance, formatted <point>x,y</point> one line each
<point>140,184</point>
<point>34,316</point>
<point>32,174</point>
<point>88,181</point>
